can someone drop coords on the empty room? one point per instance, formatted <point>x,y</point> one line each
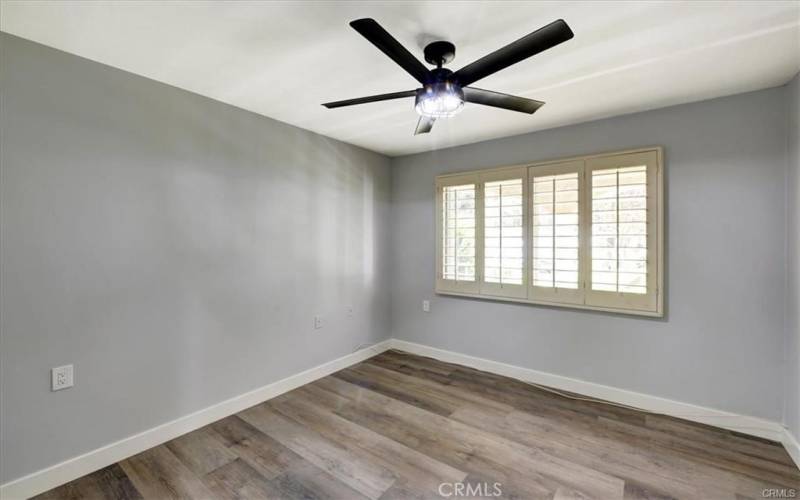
<point>389,250</point>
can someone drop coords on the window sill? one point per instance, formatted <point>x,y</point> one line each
<point>631,312</point>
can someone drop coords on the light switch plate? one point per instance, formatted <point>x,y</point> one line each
<point>317,322</point>
<point>426,306</point>
<point>61,377</point>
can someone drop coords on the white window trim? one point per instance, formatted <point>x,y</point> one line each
<point>651,304</point>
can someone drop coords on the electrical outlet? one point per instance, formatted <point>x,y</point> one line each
<point>61,377</point>
<point>426,306</point>
<point>317,322</point>
<point>349,311</point>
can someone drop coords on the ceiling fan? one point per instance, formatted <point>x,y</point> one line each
<point>444,92</point>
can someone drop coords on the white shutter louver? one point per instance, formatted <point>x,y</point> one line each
<point>555,231</point>
<point>459,233</point>
<point>503,240</point>
<point>619,229</point>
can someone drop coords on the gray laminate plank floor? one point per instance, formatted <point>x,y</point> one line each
<point>402,426</point>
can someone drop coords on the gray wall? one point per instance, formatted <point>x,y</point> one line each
<point>792,386</point>
<point>721,342</point>
<point>175,249</point>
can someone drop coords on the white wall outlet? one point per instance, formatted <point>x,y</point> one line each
<point>317,322</point>
<point>426,306</point>
<point>349,311</point>
<point>61,377</point>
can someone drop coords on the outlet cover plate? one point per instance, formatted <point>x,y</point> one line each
<point>61,378</point>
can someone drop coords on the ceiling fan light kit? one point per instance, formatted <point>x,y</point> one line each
<point>444,92</point>
<point>439,100</point>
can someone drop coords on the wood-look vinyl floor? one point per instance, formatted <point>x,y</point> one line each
<point>402,426</point>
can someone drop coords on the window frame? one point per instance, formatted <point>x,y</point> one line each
<point>650,304</point>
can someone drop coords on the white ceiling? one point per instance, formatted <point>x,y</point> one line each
<point>283,59</point>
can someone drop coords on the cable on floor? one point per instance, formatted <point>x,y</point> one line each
<point>590,399</point>
<point>628,407</point>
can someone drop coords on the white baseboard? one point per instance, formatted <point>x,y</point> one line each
<point>792,446</point>
<point>45,479</point>
<point>748,425</point>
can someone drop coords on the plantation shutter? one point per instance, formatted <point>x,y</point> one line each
<point>622,256</point>
<point>457,248</point>
<point>556,240</point>
<point>504,218</point>
<point>583,232</point>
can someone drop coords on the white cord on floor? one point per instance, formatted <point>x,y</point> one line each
<point>628,407</point>
<point>364,346</point>
<point>589,399</point>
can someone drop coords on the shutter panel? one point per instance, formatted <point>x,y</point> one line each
<point>504,249</point>
<point>623,257</point>
<point>556,232</point>
<point>457,234</point>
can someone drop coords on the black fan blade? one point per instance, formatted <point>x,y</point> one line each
<point>372,98</point>
<point>498,100</point>
<point>381,38</point>
<point>540,40</point>
<point>424,125</point>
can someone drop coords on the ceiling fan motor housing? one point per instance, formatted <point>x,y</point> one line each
<point>440,53</point>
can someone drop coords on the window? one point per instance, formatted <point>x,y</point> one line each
<point>584,232</point>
